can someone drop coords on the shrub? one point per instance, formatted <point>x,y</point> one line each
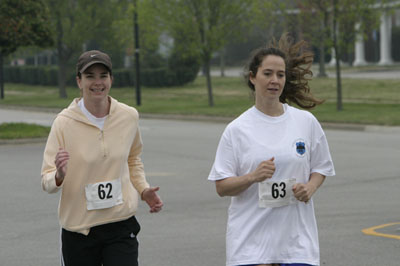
<point>176,71</point>
<point>185,69</point>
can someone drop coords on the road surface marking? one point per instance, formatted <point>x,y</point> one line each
<point>371,231</point>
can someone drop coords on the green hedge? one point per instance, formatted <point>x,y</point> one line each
<point>42,75</point>
<point>176,75</point>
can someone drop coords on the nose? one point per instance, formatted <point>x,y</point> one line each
<point>97,81</point>
<point>274,78</point>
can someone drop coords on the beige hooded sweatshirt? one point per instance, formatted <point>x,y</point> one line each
<point>95,156</point>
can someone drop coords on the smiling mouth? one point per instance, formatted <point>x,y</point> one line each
<point>272,89</point>
<point>97,90</point>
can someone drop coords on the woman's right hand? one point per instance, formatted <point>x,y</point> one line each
<point>61,162</point>
<point>233,186</point>
<point>264,171</point>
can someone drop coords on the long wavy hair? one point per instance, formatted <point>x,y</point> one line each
<point>298,60</point>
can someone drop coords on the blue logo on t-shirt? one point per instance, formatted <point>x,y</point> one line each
<point>300,147</point>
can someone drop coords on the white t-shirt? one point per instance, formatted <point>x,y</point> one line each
<point>286,234</point>
<point>97,121</point>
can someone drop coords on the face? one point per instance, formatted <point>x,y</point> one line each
<point>270,79</point>
<point>95,83</point>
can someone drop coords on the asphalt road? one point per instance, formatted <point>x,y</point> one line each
<point>190,230</point>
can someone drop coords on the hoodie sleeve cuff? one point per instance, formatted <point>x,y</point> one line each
<point>49,183</point>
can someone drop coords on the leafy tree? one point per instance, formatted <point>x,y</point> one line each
<point>332,24</point>
<point>78,24</point>
<point>315,18</point>
<point>22,23</point>
<point>345,15</point>
<point>202,27</point>
<point>149,33</point>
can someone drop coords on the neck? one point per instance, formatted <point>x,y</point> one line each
<point>271,109</point>
<point>98,109</point>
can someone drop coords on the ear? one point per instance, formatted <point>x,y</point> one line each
<point>251,77</point>
<point>78,82</point>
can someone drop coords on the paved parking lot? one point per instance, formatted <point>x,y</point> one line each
<point>190,230</point>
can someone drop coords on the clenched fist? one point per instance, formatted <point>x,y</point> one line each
<point>264,170</point>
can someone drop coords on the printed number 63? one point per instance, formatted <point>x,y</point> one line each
<point>278,190</point>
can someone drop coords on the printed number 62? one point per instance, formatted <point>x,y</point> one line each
<point>102,191</point>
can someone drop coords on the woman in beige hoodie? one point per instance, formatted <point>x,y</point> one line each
<point>93,156</point>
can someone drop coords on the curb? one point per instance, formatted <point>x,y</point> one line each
<point>325,125</point>
<point>213,119</point>
<point>196,118</point>
<point>31,108</point>
<point>22,141</point>
<point>199,118</point>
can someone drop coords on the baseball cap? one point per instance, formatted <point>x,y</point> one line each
<point>93,57</point>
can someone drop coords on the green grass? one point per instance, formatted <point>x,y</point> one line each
<point>360,113</point>
<point>366,68</point>
<point>365,101</point>
<point>22,130</point>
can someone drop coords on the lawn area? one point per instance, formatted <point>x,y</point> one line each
<point>366,101</point>
<point>22,130</point>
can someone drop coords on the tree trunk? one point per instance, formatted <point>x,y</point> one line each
<point>207,63</point>
<point>62,80</point>
<point>339,105</point>
<point>62,60</point>
<point>1,77</point>
<point>322,72</point>
<point>324,25</point>
<point>222,61</point>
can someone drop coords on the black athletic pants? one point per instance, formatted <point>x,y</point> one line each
<point>108,245</point>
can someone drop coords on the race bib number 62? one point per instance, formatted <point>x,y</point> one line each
<point>274,194</point>
<point>103,194</point>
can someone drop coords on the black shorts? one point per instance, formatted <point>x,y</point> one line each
<point>108,245</point>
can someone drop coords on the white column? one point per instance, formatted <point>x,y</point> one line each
<point>333,57</point>
<point>127,61</point>
<point>386,40</point>
<point>359,59</point>
<point>333,53</point>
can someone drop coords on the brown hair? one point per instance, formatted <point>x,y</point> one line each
<point>298,60</point>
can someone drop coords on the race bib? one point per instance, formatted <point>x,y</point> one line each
<point>103,195</point>
<point>273,194</point>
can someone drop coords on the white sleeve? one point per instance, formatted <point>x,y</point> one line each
<point>321,161</point>
<point>225,161</point>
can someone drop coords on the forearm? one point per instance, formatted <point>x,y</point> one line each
<point>233,186</point>
<point>135,165</point>
<point>137,176</point>
<point>316,180</point>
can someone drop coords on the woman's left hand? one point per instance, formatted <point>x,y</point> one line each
<point>303,192</point>
<point>152,199</point>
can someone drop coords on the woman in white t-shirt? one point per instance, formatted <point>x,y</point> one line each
<point>271,160</point>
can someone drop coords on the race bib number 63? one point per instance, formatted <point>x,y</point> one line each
<point>274,194</point>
